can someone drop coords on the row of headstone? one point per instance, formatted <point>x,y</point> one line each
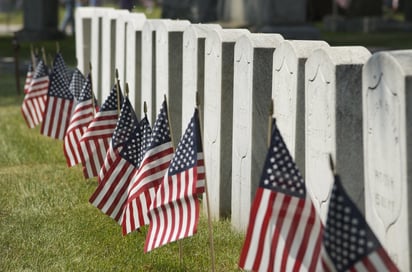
<point>327,100</point>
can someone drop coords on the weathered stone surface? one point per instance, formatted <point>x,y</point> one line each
<point>133,58</point>
<point>194,38</point>
<point>252,84</point>
<point>149,68</point>
<point>109,46</point>
<point>96,50</point>
<point>218,112</point>
<point>288,94</point>
<point>387,127</point>
<point>169,68</point>
<point>333,124</point>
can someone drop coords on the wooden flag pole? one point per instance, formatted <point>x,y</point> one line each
<point>33,58</point>
<point>209,219</point>
<point>173,146</point>
<point>91,88</point>
<point>44,55</point>
<point>57,47</point>
<point>126,91</point>
<point>271,111</point>
<point>332,164</point>
<point>118,92</point>
<point>51,61</point>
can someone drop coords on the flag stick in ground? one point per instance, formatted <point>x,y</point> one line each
<point>91,89</point>
<point>209,219</point>
<point>33,58</point>
<point>118,90</point>
<point>57,47</point>
<point>44,55</point>
<point>270,121</point>
<point>174,149</point>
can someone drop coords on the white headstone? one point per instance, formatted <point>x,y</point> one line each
<point>194,38</point>
<point>83,22</point>
<point>121,42</point>
<point>133,58</point>
<point>288,94</point>
<point>387,100</point>
<point>108,51</point>
<point>148,94</point>
<point>169,67</point>
<point>218,112</point>
<point>333,125</point>
<point>252,84</point>
<point>96,52</point>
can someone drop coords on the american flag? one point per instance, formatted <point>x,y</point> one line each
<point>174,213</point>
<point>76,83</point>
<point>82,116</point>
<point>59,107</point>
<point>60,66</point>
<point>35,99</point>
<point>122,161</point>
<point>284,231</point>
<point>146,180</point>
<point>29,77</point>
<point>348,241</point>
<point>59,103</point>
<point>96,140</point>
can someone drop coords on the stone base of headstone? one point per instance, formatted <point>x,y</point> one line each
<point>294,32</point>
<point>36,35</point>
<point>364,24</point>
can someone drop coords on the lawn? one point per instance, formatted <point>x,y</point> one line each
<point>47,223</point>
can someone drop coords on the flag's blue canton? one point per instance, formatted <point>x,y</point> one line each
<point>58,87</point>
<point>40,71</point>
<point>280,172</point>
<point>86,93</point>
<point>130,150</point>
<point>347,236</point>
<point>186,153</point>
<point>60,66</point>
<point>144,135</point>
<point>111,102</point>
<point>77,82</point>
<point>161,131</point>
<point>127,125</point>
<point>30,67</point>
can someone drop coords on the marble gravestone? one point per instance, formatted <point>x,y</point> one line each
<point>148,91</point>
<point>288,94</point>
<point>83,25</point>
<point>133,71</point>
<point>252,83</point>
<point>218,112</point>
<point>169,68</point>
<point>333,123</point>
<point>96,51</point>
<point>109,22</point>
<point>387,127</point>
<point>194,38</point>
<point>121,42</point>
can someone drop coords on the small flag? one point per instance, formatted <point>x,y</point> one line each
<point>29,77</point>
<point>146,180</point>
<point>59,103</point>
<point>59,107</point>
<point>35,99</point>
<point>348,241</point>
<point>174,213</point>
<point>284,231</point>
<point>122,161</point>
<point>82,116</point>
<point>96,140</point>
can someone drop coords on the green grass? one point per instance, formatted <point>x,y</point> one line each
<point>47,223</point>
